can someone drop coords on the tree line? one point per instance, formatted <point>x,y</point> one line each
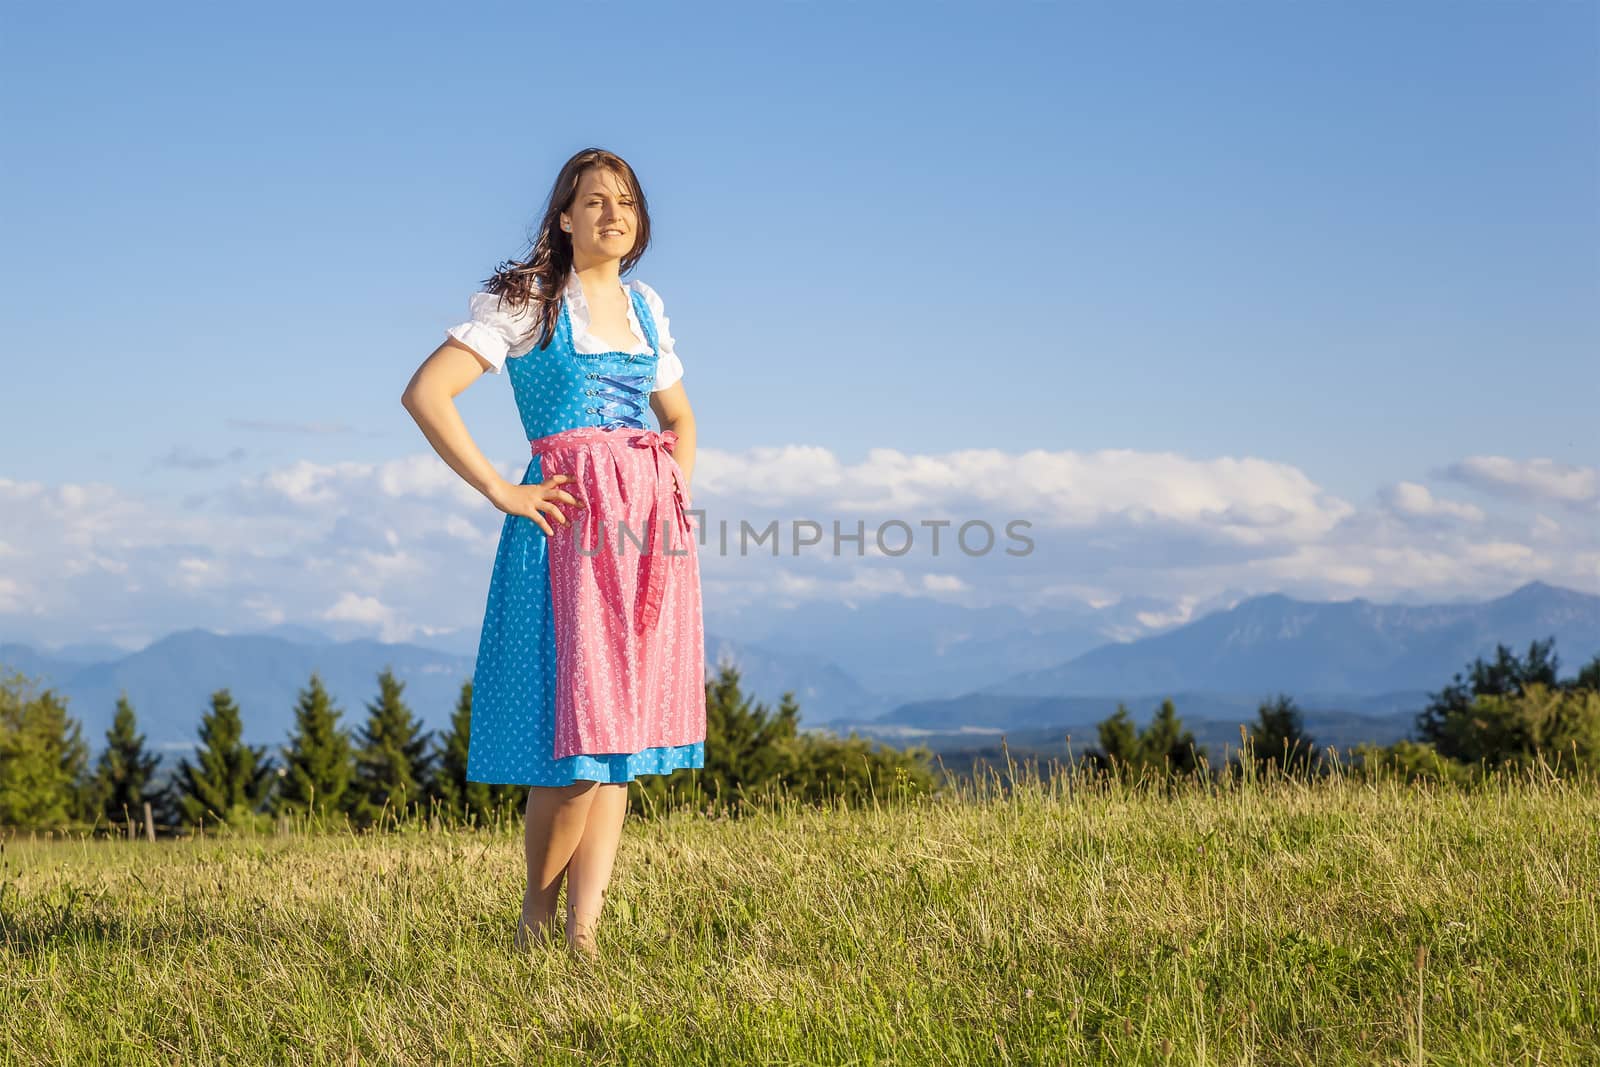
<point>1507,710</point>
<point>1504,710</point>
<point>325,773</point>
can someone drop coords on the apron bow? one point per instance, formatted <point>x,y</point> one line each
<point>655,438</point>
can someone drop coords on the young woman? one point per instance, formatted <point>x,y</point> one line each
<point>591,663</point>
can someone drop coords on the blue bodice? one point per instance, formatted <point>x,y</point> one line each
<point>559,388</point>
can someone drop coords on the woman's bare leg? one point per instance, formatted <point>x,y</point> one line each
<point>589,871</point>
<point>556,818</point>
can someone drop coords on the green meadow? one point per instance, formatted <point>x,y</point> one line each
<point>1011,919</point>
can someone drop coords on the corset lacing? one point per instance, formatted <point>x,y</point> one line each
<point>618,398</point>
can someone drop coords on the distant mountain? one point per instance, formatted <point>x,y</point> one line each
<point>83,653</point>
<point>23,658</point>
<point>1358,671</point>
<point>170,681</point>
<point>856,664</point>
<point>821,689</point>
<point>303,635</point>
<point>911,648</point>
<point>1275,643</point>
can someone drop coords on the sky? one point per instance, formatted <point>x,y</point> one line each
<point>1219,297</point>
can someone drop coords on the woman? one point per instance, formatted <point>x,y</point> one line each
<point>591,662</point>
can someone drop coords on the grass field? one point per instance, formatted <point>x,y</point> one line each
<point>1015,921</point>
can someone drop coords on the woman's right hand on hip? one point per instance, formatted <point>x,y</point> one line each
<point>536,501</point>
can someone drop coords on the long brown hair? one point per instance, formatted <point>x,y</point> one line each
<point>539,277</point>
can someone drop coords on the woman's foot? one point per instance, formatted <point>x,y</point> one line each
<point>531,931</point>
<point>583,945</point>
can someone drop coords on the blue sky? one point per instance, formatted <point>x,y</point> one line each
<point>1246,296</point>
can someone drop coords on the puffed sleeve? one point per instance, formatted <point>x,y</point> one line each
<point>668,367</point>
<point>494,333</point>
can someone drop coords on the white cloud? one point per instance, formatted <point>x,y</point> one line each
<point>403,547</point>
<point>1516,558</point>
<point>193,573</point>
<point>12,597</point>
<point>311,483</point>
<point>1160,620</point>
<point>944,583</point>
<point>1248,501</point>
<point>265,609</point>
<point>369,611</point>
<point>353,608</point>
<point>19,491</point>
<point>388,566</point>
<point>458,527</point>
<point>1417,501</point>
<point>1532,479</point>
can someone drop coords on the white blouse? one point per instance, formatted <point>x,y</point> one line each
<point>497,334</point>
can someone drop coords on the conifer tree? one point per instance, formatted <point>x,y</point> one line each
<point>745,743</point>
<point>1163,746</point>
<point>43,759</point>
<point>1447,722</point>
<point>458,797</point>
<point>1119,742</point>
<point>123,775</point>
<point>318,770</point>
<point>1588,675</point>
<point>1278,737</point>
<point>753,754</point>
<point>1559,725</point>
<point>230,780</point>
<point>450,783</point>
<point>392,763</point>
<point>1166,745</point>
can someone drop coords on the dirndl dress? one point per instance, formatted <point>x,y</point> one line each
<point>591,660</point>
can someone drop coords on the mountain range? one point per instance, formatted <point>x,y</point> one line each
<point>902,669</point>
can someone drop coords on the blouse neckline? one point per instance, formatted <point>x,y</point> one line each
<point>578,314</point>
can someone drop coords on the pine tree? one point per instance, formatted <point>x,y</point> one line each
<point>745,743</point>
<point>317,771</point>
<point>754,753</point>
<point>1446,723</point>
<point>1278,737</point>
<point>1166,746</point>
<point>43,759</point>
<point>1119,743</point>
<point>231,780</point>
<point>458,797</point>
<point>1163,747</point>
<point>450,783</point>
<point>125,770</point>
<point>391,761</point>
<point>1588,676</point>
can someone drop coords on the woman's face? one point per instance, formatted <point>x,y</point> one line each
<point>603,217</point>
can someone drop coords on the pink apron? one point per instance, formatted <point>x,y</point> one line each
<point>625,592</point>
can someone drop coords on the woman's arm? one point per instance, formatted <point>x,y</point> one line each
<point>430,398</point>
<point>671,406</point>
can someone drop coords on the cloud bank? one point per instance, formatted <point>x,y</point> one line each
<point>402,549</point>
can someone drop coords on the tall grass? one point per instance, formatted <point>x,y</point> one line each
<point>1017,917</point>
